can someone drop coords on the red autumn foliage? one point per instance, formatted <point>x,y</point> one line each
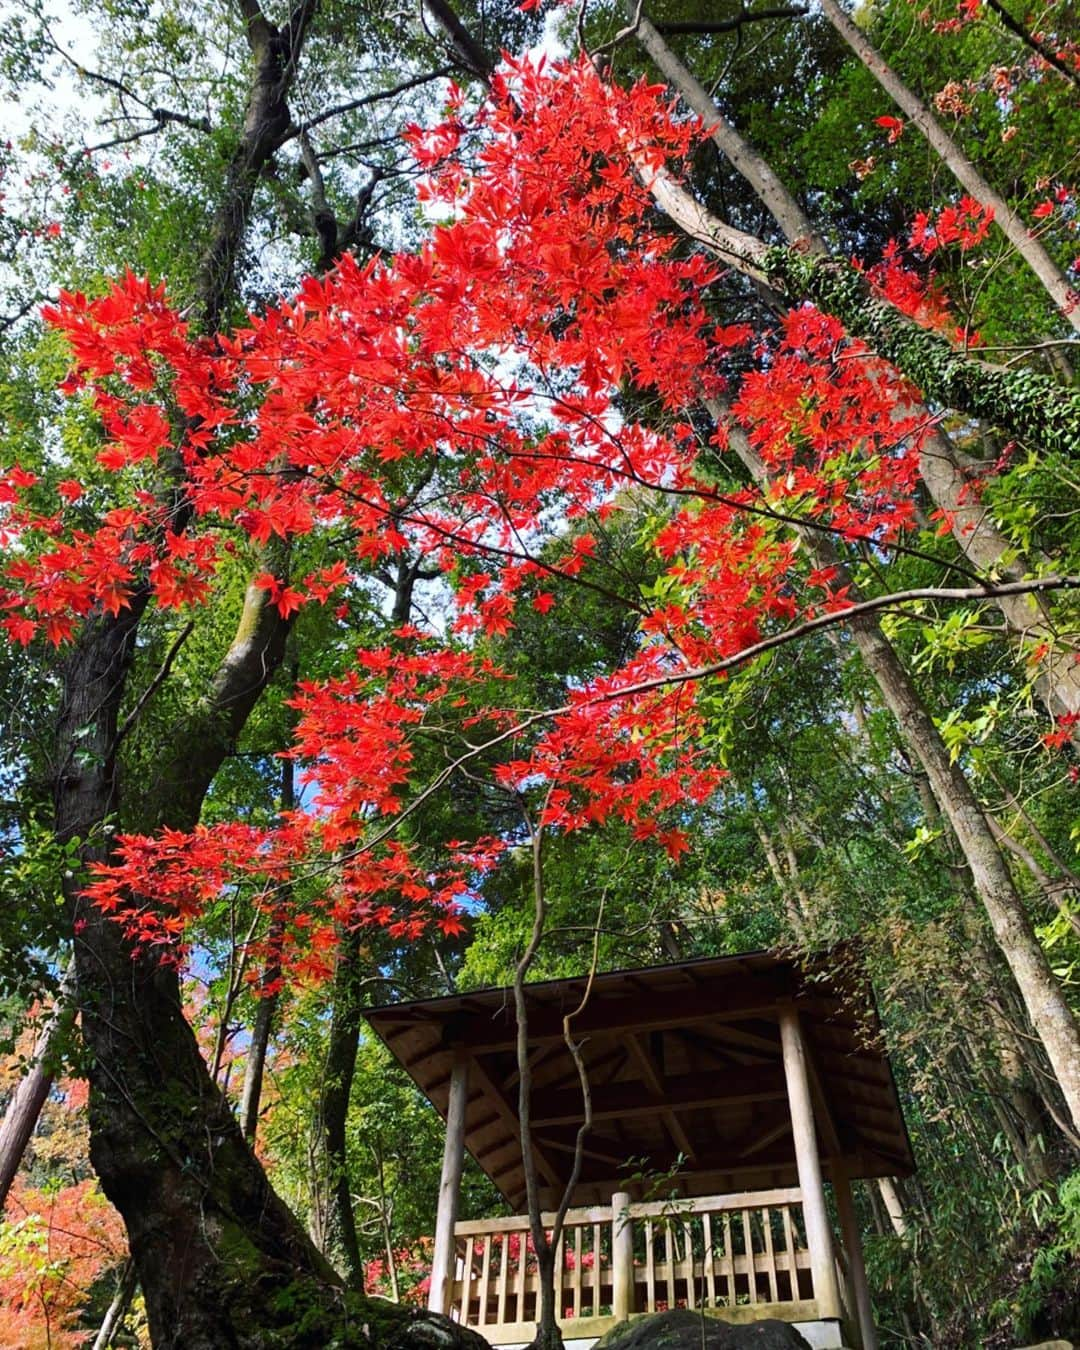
<point>492,364</point>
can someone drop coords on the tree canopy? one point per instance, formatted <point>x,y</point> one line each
<point>469,516</point>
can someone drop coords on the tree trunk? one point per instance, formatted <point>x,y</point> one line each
<point>21,1116</point>
<point>983,544</point>
<point>117,1309</point>
<point>338,1239</point>
<point>220,1259</point>
<point>1049,1013</point>
<point>970,179</point>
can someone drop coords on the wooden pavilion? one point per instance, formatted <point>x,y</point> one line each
<point>744,1083</point>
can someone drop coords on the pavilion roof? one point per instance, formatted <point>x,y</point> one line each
<point>684,1068</point>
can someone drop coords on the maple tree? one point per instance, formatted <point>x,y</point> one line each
<point>497,366</point>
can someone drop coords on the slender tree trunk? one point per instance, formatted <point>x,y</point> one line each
<point>21,1116</point>
<point>1054,889</point>
<point>1044,1002</point>
<point>266,1009</point>
<point>787,886</point>
<point>1015,229</point>
<point>338,1237</point>
<point>795,224</point>
<point>117,1309</point>
<point>982,543</point>
<point>894,1206</point>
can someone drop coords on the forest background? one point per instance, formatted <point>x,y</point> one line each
<point>898,781</point>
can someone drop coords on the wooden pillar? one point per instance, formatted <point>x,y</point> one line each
<point>818,1228</point>
<point>849,1228</point>
<point>622,1258</point>
<point>444,1256</point>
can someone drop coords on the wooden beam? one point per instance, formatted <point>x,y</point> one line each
<point>623,1101</point>
<point>761,1135</point>
<point>536,1056</point>
<point>611,1159</point>
<point>729,1034</point>
<point>656,1089</point>
<point>738,997</point>
<point>509,1116</point>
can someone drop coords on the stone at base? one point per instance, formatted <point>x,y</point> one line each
<point>685,1330</point>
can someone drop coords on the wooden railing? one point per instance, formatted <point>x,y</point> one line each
<point>745,1252</point>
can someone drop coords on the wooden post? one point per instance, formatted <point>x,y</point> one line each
<point>849,1227</point>
<point>818,1228</point>
<point>443,1257</point>
<point>622,1258</point>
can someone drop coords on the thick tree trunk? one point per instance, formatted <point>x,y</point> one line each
<point>220,1259</point>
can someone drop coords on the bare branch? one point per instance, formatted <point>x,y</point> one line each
<point>156,683</point>
<point>730,25</point>
<point>1030,40</point>
<point>339,109</point>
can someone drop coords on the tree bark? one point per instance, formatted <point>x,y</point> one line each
<point>21,1116</point>
<point>220,1259</point>
<point>338,1238</point>
<point>1016,230</point>
<point>1044,1002</point>
<point>1028,617</point>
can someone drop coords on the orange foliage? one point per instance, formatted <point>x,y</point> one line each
<point>53,1246</point>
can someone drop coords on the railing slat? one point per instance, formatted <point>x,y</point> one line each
<point>504,1275</point>
<point>597,1269</point>
<point>766,1219</point>
<point>751,1264</point>
<point>523,1256</point>
<point>575,1276</point>
<point>789,1243</point>
<point>669,1264</point>
<point>485,1281</point>
<point>729,1257</point>
<point>560,1262</point>
<point>466,1281</point>
<point>688,1266</point>
<point>650,1269</point>
<point>710,1267</point>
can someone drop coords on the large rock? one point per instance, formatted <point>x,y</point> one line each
<point>684,1330</point>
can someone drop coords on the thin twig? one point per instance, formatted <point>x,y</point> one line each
<point>156,683</point>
